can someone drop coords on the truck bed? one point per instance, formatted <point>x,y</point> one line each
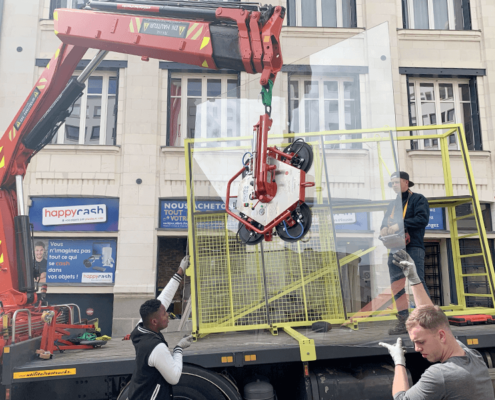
<point>117,356</point>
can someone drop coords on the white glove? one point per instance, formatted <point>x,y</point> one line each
<point>406,263</point>
<point>396,351</point>
<point>184,264</point>
<point>186,341</point>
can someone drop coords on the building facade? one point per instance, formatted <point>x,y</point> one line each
<point>122,146</point>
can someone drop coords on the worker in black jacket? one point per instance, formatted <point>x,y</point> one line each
<point>156,369</point>
<point>415,214</point>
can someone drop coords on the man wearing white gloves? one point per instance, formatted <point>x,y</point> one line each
<point>156,369</point>
<point>460,372</point>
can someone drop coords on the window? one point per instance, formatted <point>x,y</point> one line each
<point>54,4</point>
<point>441,102</point>
<point>217,117</point>
<point>93,116</point>
<point>469,223</point>
<point>324,104</point>
<point>324,13</point>
<point>436,14</point>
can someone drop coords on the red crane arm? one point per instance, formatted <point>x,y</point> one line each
<point>236,37</point>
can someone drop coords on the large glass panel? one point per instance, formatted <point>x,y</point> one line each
<point>348,222</point>
<point>441,14</point>
<point>421,14</point>
<point>329,13</point>
<point>347,13</point>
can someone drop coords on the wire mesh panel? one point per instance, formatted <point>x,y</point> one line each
<point>302,279</point>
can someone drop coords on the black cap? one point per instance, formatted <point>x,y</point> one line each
<point>401,175</point>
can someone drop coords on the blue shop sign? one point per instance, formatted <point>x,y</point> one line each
<point>436,219</point>
<point>74,214</point>
<point>173,213</point>
<point>76,261</point>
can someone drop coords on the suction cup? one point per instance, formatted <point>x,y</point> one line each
<point>304,157</point>
<point>249,237</point>
<point>295,233</point>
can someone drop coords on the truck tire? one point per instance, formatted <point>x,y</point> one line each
<point>197,383</point>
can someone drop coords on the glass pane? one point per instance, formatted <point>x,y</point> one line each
<point>213,87</point>
<point>95,134</point>
<point>426,91</point>
<point>311,116</point>
<point>112,85</point>
<point>71,134</point>
<point>233,118</point>
<point>213,121</point>
<point>467,120</point>
<point>111,120</point>
<point>294,113</point>
<point>350,115</point>
<point>294,89</point>
<point>447,113</point>
<point>412,114</point>
<point>291,10</point>
<point>428,114</point>
<point>175,87</point>
<point>232,88</point>
<point>412,95</point>
<point>440,14</point>
<point>464,94</point>
<point>92,119</point>
<point>308,12</point>
<point>331,90</point>
<point>332,115</point>
<point>95,85</point>
<point>191,118</point>
<point>174,132</point>
<point>458,15</point>
<point>421,14</point>
<point>346,14</point>
<point>311,90</point>
<point>194,87</point>
<point>446,91</point>
<point>329,13</point>
<point>349,91</point>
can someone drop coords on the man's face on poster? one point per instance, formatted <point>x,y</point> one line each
<point>39,251</point>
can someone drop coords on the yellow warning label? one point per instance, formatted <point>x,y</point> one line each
<point>205,42</point>
<point>146,24</point>
<point>181,29</point>
<point>205,64</point>
<point>45,373</point>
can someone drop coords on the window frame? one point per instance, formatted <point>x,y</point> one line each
<point>417,100</point>
<point>341,79</point>
<point>106,75</point>
<point>319,14</point>
<point>409,16</point>
<point>184,76</point>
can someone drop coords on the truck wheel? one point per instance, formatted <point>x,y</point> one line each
<point>201,384</point>
<point>198,384</point>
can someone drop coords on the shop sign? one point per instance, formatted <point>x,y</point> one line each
<point>173,213</point>
<point>74,214</point>
<point>436,219</point>
<point>77,261</point>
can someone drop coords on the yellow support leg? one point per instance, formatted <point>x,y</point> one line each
<point>306,346</point>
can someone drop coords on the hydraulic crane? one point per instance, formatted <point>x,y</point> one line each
<point>237,36</point>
